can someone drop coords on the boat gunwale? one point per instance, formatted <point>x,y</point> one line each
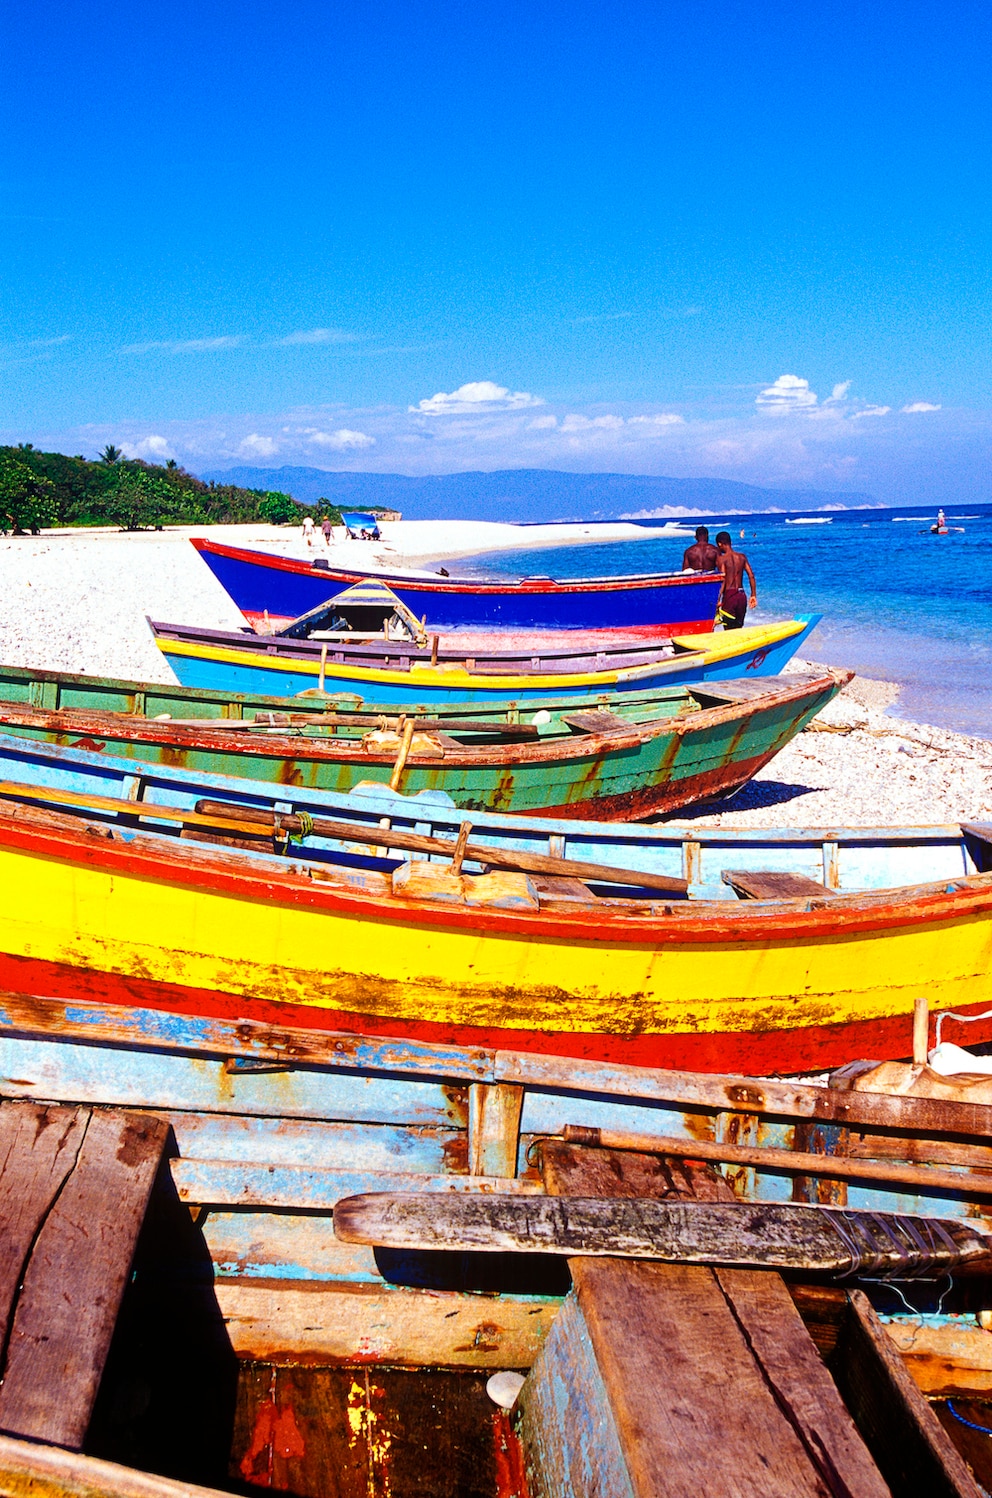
<point>63,838</point>
<point>455,585</point>
<point>565,749</point>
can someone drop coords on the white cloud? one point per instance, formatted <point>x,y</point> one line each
<point>343,440</point>
<point>789,393</point>
<point>589,423</point>
<point>872,411</point>
<point>919,406</point>
<point>185,345</point>
<point>317,335</point>
<point>664,419</point>
<point>477,397</point>
<point>149,447</point>
<point>542,424</point>
<point>255,446</point>
<point>601,317</point>
<point>838,393</point>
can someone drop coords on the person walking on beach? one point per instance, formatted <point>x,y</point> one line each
<point>703,557</point>
<point>326,529</point>
<point>734,602</point>
<point>308,529</point>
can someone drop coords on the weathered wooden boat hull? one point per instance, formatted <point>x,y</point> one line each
<point>297,1354</point>
<point>225,661</point>
<point>671,755</point>
<point>776,986</point>
<point>660,604</point>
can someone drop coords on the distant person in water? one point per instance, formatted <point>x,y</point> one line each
<point>734,602</point>
<point>703,557</point>
<point>941,521</point>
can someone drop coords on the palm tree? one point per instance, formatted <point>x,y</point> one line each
<point>111,455</point>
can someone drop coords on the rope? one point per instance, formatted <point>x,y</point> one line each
<point>965,1019</point>
<point>914,1260</point>
<point>306,827</point>
<point>970,1423</point>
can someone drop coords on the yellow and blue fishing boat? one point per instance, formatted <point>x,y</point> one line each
<point>404,671</point>
<point>219,897</point>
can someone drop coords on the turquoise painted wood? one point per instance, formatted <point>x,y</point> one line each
<point>845,858</point>
<point>568,1424</point>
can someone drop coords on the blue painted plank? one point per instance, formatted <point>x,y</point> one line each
<point>59,1071</point>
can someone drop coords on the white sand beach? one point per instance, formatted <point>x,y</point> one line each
<point>78,600</point>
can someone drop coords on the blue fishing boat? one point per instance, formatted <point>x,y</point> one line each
<point>409,672</point>
<point>263,584</point>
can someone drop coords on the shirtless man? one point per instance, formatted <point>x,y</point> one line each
<point>734,602</point>
<point>702,557</point>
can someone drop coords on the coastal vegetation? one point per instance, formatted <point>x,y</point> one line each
<point>40,489</point>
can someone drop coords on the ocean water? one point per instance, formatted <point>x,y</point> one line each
<point>898,603</point>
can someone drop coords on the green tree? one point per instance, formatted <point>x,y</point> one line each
<point>278,509</point>
<point>27,500</point>
<point>137,499</point>
<point>111,455</point>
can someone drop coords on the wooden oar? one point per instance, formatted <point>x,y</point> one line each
<point>763,1157</point>
<point>356,720</point>
<point>765,1235</point>
<point>252,817</point>
<point>227,816</point>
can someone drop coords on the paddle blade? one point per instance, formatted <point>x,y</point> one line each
<point>741,1234</point>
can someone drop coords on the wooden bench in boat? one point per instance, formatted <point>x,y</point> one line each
<point>600,720</point>
<point>667,1381</point>
<point>74,1186</point>
<point>772,884</point>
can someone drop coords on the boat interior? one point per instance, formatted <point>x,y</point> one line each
<point>219,1332</point>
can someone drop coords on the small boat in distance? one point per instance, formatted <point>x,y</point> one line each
<point>405,671</point>
<point>654,604</point>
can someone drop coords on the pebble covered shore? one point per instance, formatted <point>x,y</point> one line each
<point>78,603</point>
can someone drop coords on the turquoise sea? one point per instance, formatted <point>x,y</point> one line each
<point>898,603</point>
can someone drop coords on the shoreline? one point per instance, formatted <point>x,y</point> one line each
<point>77,601</point>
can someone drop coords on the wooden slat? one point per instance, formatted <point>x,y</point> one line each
<point>38,1149</point>
<point>286,1321</point>
<point>706,1396</point>
<point>913,1450</point>
<point>772,884</point>
<point>28,1470</point>
<point>597,721</point>
<point>494,1129</point>
<point>75,1277</point>
<point>293,1047</point>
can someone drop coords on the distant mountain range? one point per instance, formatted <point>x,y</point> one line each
<point>533,494</point>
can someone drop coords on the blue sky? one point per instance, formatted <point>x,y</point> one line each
<point>420,238</point>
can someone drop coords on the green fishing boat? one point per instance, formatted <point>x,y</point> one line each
<point>650,753</point>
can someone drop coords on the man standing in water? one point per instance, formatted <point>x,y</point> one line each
<point>734,602</point>
<point>702,557</point>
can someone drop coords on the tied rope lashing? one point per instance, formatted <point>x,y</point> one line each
<point>914,1242</point>
<point>282,835</point>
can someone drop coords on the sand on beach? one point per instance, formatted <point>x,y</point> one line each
<point>77,601</point>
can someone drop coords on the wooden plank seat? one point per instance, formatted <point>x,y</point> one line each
<point>74,1187</point>
<point>668,1381</point>
<point>774,884</point>
<point>600,720</point>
